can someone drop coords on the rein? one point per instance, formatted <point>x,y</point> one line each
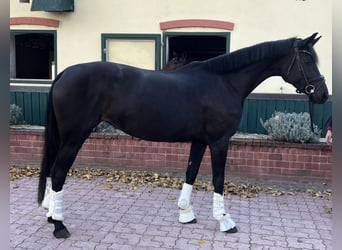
<point>309,89</point>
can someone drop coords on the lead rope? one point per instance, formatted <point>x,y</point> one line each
<point>311,107</point>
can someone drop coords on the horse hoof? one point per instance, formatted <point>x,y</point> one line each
<point>232,230</point>
<point>191,222</point>
<point>62,233</point>
<point>50,220</point>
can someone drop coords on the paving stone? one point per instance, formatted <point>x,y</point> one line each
<point>147,219</point>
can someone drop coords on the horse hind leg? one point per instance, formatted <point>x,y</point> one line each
<point>46,200</point>
<point>186,213</point>
<point>218,158</point>
<point>65,158</point>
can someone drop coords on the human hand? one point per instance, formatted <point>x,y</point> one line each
<point>328,137</point>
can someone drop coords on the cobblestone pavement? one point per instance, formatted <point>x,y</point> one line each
<point>147,218</point>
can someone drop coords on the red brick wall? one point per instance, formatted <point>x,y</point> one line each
<point>246,158</point>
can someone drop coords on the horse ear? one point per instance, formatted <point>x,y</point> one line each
<point>311,40</point>
<point>316,40</point>
<point>184,56</point>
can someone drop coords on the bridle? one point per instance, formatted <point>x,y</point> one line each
<point>308,89</point>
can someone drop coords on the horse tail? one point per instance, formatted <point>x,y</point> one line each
<point>51,144</point>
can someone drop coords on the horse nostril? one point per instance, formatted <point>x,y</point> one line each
<point>325,97</point>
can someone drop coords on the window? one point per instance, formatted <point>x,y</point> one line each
<point>32,55</point>
<point>141,51</point>
<point>196,46</point>
<point>144,51</point>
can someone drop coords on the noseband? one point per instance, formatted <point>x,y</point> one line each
<point>309,89</point>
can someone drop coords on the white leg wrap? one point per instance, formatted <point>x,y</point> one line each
<point>226,223</point>
<point>56,205</point>
<point>46,201</point>
<point>184,198</point>
<point>186,214</point>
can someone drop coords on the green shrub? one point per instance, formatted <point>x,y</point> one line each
<point>291,127</point>
<point>104,127</point>
<point>16,115</point>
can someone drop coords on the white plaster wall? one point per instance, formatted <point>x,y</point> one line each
<point>79,33</point>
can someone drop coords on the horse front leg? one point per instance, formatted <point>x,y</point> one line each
<point>218,152</point>
<point>186,213</point>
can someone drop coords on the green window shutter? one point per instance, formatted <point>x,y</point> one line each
<point>52,5</point>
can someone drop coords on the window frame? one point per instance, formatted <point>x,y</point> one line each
<point>167,34</point>
<point>154,37</point>
<point>39,81</point>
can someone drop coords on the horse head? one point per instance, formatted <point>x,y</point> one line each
<point>303,72</point>
<point>176,62</point>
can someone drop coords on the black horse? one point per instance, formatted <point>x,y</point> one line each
<point>199,103</point>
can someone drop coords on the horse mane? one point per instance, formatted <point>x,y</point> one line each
<point>242,57</point>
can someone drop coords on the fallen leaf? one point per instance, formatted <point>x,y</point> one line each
<point>87,176</point>
<point>201,242</point>
<point>328,209</point>
<point>135,179</point>
<point>108,187</point>
<point>171,198</point>
<point>281,202</point>
<point>110,179</point>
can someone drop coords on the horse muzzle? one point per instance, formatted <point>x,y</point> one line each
<point>319,94</point>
